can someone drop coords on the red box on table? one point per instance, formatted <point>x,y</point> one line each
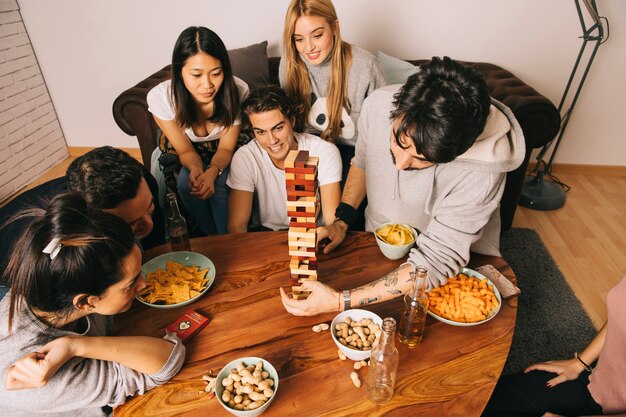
<point>188,325</point>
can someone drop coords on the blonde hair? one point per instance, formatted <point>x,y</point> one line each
<point>297,76</point>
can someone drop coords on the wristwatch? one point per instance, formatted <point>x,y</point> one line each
<point>219,171</point>
<point>346,300</point>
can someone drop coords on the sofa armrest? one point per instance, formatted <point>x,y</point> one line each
<point>130,111</point>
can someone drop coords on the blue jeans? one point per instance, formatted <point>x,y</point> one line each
<point>209,215</point>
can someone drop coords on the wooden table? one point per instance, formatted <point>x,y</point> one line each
<point>451,373</point>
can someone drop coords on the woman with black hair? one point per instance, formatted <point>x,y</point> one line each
<point>198,112</point>
<point>73,268</point>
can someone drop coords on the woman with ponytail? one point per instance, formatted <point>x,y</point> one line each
<point>73,269</point>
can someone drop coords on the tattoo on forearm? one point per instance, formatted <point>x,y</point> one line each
<point>391,279</point>
<point>394,292</point>
<point>366,301</point>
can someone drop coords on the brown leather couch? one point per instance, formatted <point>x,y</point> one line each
<point>537,116</point>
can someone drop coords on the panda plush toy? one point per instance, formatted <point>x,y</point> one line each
<point>319,120</point>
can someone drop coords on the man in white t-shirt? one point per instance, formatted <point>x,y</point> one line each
<point>258,197</point>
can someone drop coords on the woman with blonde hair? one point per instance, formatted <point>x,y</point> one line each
<point>327,77</point>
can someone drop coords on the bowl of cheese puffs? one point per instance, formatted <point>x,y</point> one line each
<point>395,240</point>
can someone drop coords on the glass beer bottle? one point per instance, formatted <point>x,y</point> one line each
<point>413,318</point>
<point>381,377</point>
<point>179,236</point>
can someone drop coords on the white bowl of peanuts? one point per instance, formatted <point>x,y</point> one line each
<point>468,299</point>
<point>246,386</point>
<point>355,331</point>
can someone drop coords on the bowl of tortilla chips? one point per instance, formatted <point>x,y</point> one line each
<point>395,240</point>
<point>176,279</point>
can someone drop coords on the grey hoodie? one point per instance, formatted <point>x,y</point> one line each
<point>454,206</point>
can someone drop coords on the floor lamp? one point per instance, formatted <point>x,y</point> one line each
<point>539,192</point>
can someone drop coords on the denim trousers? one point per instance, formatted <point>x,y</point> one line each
<point>209,215</point>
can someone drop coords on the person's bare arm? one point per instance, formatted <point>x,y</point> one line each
<point>324,299</point>
<point>140,353</point>
<point>239,210</point>
<point>570,369</point>
<point>353,194</point>
<point>330,195</point>
<point>188,156</point>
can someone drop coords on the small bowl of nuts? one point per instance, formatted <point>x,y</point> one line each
<point>246,386</point>
<point>355,331</point>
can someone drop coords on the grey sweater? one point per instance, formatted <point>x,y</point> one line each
<point>454,206</point>
<point>82,387</point>
<point>366,75</point>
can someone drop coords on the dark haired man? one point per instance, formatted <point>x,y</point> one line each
<point>258,197</point>
<point>434,154</point>
<point>109,179</point>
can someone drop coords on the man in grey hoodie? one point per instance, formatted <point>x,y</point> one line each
<point>432,153</point>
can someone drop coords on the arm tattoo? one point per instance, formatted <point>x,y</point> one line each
<point>391,279</point>
<point>394,292</point>
<point>366,301</point>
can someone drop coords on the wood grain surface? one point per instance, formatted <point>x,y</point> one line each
<point>452,372</point>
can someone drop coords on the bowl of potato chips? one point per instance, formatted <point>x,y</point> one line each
<point>395,240</point>
<point>467,299</point>
<point>176,279</point>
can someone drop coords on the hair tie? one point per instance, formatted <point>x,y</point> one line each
<point>53,248</point>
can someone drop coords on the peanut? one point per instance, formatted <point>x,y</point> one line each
<point>355,379</point>
<point>360,335</point>
<point>246,387</point>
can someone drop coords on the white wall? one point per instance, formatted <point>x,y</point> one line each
<point>90,51</point>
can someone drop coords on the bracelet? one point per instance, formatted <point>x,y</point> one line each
<point>346,213</point>
<point>219,171</point>
<point>346,300</point>
<point>587,367</point>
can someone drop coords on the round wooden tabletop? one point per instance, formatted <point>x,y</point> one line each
<point>452,372</point>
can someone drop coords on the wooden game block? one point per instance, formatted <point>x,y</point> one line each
<point>299,243</point>
<point>290,176</point>
<point>304,272</point>
<point>309,212</point>
<point>302,218</point>
<point>312,189</point>
<point>291,157</point>
<point>301,159</point>
<point>307,278</point>
<point>299,293</point>
<point>296,194</point>
<point>306,183</point>
<point>300,224</point>
<point>302,232</point>
<point>304,265</point>
<point>304,170</point>
<point>292,205</point>
<point>305,258</point>
<point>296,278</point>
<point>312,161</point>
<point>301,252</point>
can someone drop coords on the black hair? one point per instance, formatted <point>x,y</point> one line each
<point>105,177</point>
<point>443,108</point>
<point>194,40</point>
<point>264,99</point>
<point>93,244</point>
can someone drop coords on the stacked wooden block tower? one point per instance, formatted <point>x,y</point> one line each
<point>302,208</point>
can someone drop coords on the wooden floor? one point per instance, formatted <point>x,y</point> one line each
<point>586,238</point>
